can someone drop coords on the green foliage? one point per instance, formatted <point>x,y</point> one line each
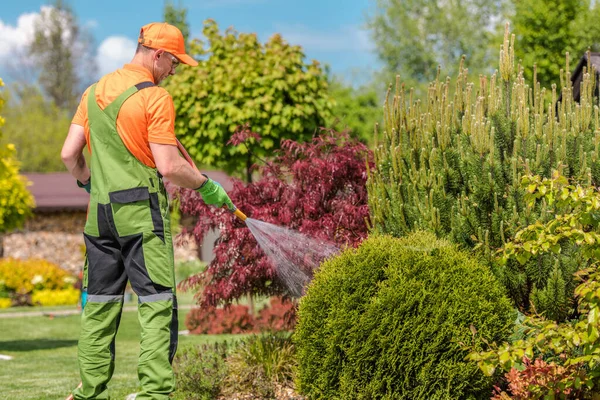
<point>413,37</point>
<point>386,320</point>
<point>453,165</point>
<point>60,49</point>
<point>28,282</point>
<point>260,362</point>
<point>37,128</point>
<point>575,344</point>
<point>255,365</point>
<point>200,371</point>
<point>15,200</point>
<point>177,16</point>
<point>242,81</point>
<point>56,297</point>
<point>27,276</point>
<point>546,30</point>
<point>185,269</point>
<point>357,110</point>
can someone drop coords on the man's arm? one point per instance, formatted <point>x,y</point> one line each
<point>174,167</point>
<point>72,154</point>
<point>184,174</point>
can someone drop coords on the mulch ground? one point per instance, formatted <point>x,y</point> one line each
<point>281,393</point>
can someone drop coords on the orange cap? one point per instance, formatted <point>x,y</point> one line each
<point>160,35</point>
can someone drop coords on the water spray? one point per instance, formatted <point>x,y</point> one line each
<point>295,256</point>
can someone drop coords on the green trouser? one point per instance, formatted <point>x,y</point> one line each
<point>128,238</point>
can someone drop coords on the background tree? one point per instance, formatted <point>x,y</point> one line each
<point>61,50</point>
<point>546,30</point>
<point>242,81</point>
<point>177,16</point>
<point>15,200</point>
<point>36,127</point>
<point>413,37</point>
<point>355,109</point>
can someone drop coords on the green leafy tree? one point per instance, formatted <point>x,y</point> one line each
<point>15,200</point>
<point>413,37</point>
<point>37,128</point>
<point>453,163</point>
<point>61,50</point>
<point>240,81</point>
<point>357,110</point>
<point>546,30</point>
<point>177,16</point>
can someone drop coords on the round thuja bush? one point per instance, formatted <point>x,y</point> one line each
<point>390,320</point>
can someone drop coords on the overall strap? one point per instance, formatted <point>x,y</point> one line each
<point>112,110</point>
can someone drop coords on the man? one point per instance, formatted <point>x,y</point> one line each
<point>127,123</point>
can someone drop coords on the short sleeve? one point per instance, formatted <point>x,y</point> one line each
<point>161,120</point>
<point>81,115</point>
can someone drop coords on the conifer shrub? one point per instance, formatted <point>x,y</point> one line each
<point>390,320</point>
<point>452,164</point>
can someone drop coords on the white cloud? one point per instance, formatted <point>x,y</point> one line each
<point>16,38</point>
<point>113,52</point>
<point>347,38</point>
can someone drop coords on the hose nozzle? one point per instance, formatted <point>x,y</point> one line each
<point>239,214</point>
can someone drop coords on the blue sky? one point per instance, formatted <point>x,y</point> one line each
<point>331,31</point>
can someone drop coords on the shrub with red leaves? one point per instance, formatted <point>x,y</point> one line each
<point>214,321</point>
<point>317,188</point>
<point>541,379</point>
<point>279,315</point>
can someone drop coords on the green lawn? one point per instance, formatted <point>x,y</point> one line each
<point>45,356</point>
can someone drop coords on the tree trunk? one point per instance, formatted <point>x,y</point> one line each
<point>249,169</point>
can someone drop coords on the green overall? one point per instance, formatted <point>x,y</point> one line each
<point>127,237</point>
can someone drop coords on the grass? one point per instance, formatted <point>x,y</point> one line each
<point>45,355</point>
<point>44,350</point>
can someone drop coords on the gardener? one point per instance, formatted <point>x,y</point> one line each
<point>127,123</point>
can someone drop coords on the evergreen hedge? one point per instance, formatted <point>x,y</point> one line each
<point>453,165</point>
<point>388,320</point>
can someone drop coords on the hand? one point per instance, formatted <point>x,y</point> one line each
<point>87,186</point>
<point>213,193</point>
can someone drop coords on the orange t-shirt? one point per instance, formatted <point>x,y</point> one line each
<point>146,117</point>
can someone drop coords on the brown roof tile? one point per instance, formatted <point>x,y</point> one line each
<point>58,191</point>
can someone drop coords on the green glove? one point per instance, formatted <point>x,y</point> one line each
<point>213,193</point>
<point>87,186</point>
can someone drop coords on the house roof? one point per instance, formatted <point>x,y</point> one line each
<point>58,191</point>
<point>577,75</point>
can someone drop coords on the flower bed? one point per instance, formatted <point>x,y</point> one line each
<point>35,282</point>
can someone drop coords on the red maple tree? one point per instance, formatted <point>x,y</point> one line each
<point>317,188</point>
